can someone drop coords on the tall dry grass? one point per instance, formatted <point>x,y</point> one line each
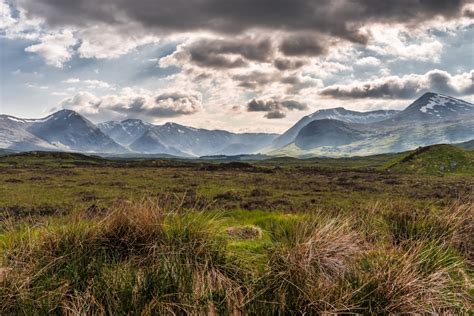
<point>152,257</point>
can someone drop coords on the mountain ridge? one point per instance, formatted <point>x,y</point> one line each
<point>432,118</point>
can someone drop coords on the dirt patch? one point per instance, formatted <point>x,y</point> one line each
<point>245,232</point>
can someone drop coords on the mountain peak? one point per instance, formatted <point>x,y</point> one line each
<point>131,120</point>
<point>435,107</point>
<point>63,112</point>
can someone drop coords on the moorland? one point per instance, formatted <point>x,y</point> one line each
<point>373,235</point>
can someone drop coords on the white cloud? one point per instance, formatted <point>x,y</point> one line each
<point>56,49</point>
<point>105,41</point>
<point>90,83</point>
<point>399,42</point>
<point>368,61</point>
<point>72,80</point>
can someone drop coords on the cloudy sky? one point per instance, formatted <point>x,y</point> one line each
<point>240,65</point>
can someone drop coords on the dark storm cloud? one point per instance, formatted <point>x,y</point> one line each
<point>341,19</point>
<point>302,45</point>
<point>288,64</point>
<point>254,79</point>
<point>248,48</point>
<point>469,13</point>
<point>275,108</point>
<point>215,53</point>
<point>275,115</point>
<point>216,61</point>
<point>406,87</point>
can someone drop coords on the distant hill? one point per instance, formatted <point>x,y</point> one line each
<point>435,159</point>
<point>327,132</point>
<point>469,145</point>
<point>340,114</point>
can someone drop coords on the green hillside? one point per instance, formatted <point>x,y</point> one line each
<point>435,159</point>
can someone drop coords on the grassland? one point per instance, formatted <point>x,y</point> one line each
<point>87,235</point>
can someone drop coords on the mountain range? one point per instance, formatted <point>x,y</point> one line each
<point>432,118</point>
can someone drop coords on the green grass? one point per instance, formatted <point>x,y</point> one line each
<point>436,159</point>
<point>285,236</point>
<point>150,258</point>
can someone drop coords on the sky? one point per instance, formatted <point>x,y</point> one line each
<point>239,65</point>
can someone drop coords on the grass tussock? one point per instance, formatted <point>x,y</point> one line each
<point>304,271</point>
<point>157,257</point>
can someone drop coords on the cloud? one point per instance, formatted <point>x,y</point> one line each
<point>72,80</point>
<point>406,87</point>
<point>289,64</point>
<point>56,49</point>
<point>342,19</point>
<point>404,43</point>
<point>368,61</point>
<point>275,108</point>
<point>134,104</point>
<point>219,53</point>
<point>90,83</point>
<point>302,45</point>
<point>275,115</point>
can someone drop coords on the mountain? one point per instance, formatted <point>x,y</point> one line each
<point>431,119</point>
<point>327,132</point>
<point>176,139</point>
<point>14,136</point>
<point>150,143</point>
<point>71,131</point>
<point>64,130</point>
<point>435,159</point>
<point>339,113</point>
<point>124,132</point>
<point>433,107</point>
<point>469,145</point>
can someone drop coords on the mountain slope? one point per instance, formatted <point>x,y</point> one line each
<point>125,132</point>
<point>150,143</point>
<point>14,136</point>
<point>469,145</point>
<point>339,114</point>
<point>68,130</point>
<point>435,159</point>
<point>327,132</point>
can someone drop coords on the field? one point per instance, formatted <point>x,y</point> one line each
<point>87,235</point>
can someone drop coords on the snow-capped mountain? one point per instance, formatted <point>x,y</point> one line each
<point>431,119</point>
<point>13,135</point>
<point>150,142</point>
<point>339,114</point>
<point>434,107</point>
<point>71,131</point>
<point>125,132</point>
<point>176,139</point>
<point>64,130</point>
